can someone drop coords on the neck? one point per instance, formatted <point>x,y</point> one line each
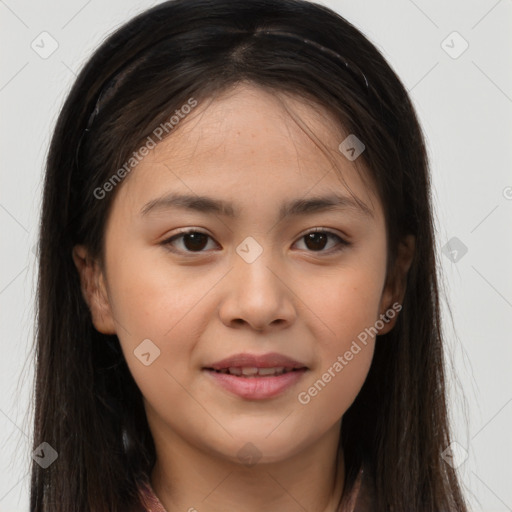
<point>185,478</point>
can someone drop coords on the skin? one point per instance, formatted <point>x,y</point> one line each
<point>303,301</point>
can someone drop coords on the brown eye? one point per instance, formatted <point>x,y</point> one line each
<point>195,241</point>
<point>316,241</point>
<point>191,241</point>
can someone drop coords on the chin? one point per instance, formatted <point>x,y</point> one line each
<point>256,446</point>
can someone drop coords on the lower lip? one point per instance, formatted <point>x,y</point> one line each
<point>257,388</point>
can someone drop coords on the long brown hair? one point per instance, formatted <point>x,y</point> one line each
<point>87,405</point>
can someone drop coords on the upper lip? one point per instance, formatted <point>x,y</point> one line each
<point>270,360</point>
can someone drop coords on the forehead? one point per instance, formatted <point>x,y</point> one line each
<point>265,145</point>
<point>250,120</point>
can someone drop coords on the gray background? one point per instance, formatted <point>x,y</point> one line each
<point>464,103</point>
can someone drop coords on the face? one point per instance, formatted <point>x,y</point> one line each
<point>297,290</point>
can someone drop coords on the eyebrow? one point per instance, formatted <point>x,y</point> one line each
<point>205,204</point>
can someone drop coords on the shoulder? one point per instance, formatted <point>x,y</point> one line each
<point>360,497</point>
<point>149,498</point>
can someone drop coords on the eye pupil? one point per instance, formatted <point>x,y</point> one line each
<point>313,237</point>
<point>199,241</point>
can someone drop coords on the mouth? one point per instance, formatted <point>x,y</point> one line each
<point>253,371</point>
<point>256,377</point>
<point>256,364</point>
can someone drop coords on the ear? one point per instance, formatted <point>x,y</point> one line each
<point>94,290</point>
<point>396,283</point>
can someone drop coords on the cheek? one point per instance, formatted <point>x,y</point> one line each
<point>347,303</point>
<point>147,304</point>
<point>328,394</point>
<point>348,307</point>
<point>151,297</point>
<point>152,304</point>
<point>153,301</point>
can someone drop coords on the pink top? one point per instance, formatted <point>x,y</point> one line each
<point>360,499</point>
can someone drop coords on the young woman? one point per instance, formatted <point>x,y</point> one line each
<point>238,305</point>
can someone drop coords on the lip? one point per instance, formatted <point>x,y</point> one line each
<point>270,360</point>
<point>257,388</point>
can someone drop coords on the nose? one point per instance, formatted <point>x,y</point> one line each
<point>257,295</point>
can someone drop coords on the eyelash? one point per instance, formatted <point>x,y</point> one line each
<point>341,245</point>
